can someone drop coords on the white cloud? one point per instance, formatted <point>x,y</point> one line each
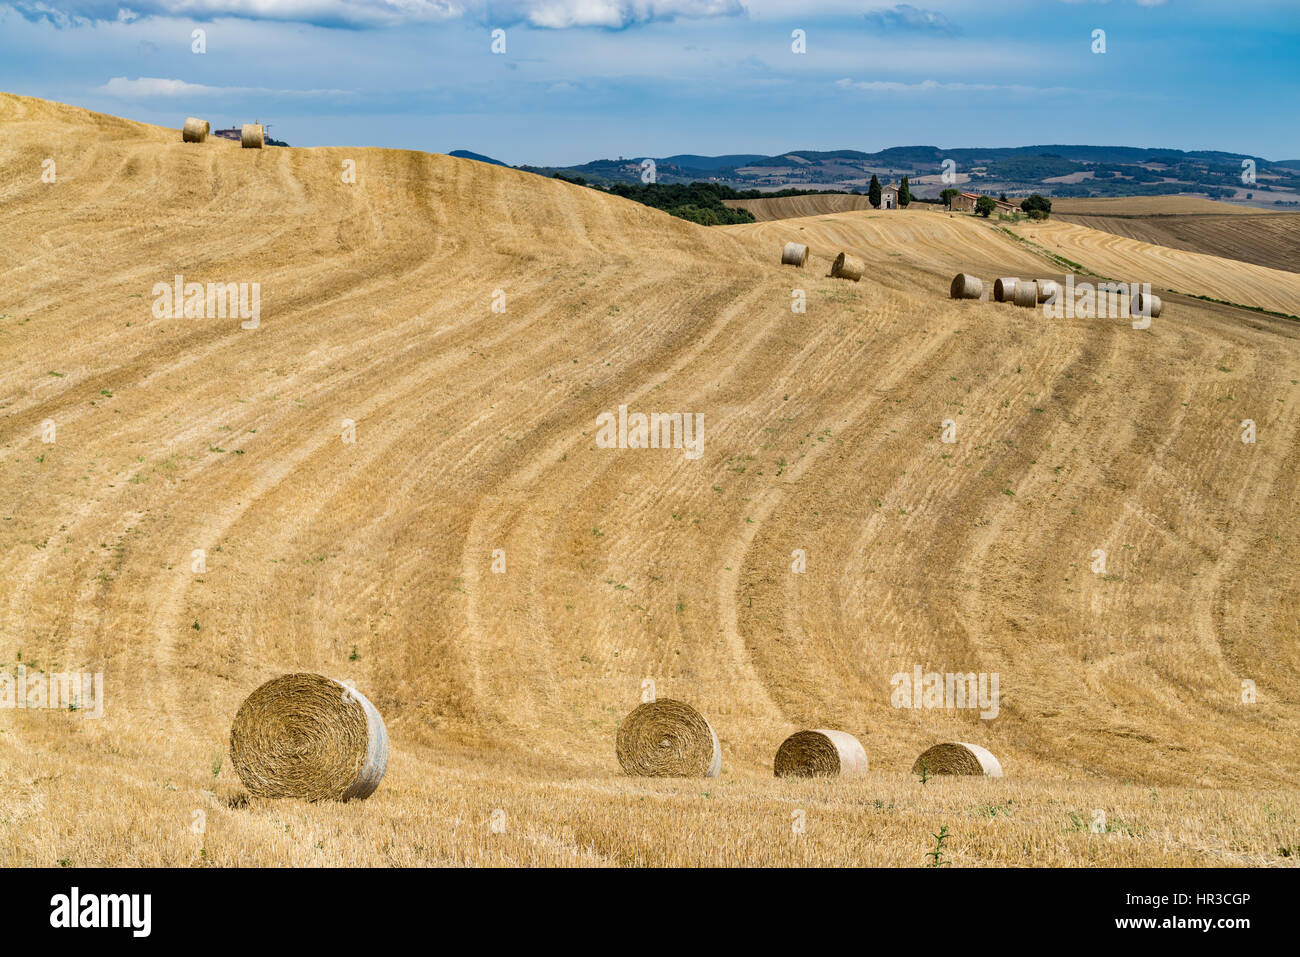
<point>558,14</point>
<point>905,17</point>
<point>935,86</point>
<point>549,14</point>
<point>147,86</point>
<point>152,87</point>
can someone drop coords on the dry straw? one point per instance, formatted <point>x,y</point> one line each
<point>966,287</point>
<point>820,754</point>
<point>1004,289</point>
<point>1026,294</point>
<point>1142,301</point>
<point>794,254</point>
<point>958,758</point>
<point>308,736</point>
<point>195,130</point>
<point>1048,289</point>
<point>848,267</point>
<point>252,136</point>
<point>668,739</point>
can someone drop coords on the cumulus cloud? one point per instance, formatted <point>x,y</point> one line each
<point>546,14</point>
<point>904,17</point>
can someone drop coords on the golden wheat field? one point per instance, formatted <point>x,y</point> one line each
<point>475,433</point>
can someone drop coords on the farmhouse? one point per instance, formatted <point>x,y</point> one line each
<point>963,202</point>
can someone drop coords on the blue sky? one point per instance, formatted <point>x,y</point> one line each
<point>587,79</point>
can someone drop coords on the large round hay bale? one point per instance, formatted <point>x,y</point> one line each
<point>820,753</point>
<point>958,758</point>
<point>966,287</point>
<point>848,267</point>
<point>668,739</point>
<point>1142,302</point>
<point>1026,294</point>
<point>794,254</point>
<point>308,736</point>
<point>195,130</point>
<point>1004,289</point>
<point>252,136</point>
<point>1048,289</point>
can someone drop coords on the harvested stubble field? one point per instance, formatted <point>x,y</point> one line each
<point>475,431</point>
<point>790,207</point>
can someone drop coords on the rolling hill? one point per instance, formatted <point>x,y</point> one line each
<point>475,432</point>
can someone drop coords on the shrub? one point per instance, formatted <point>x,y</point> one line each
<point>1037,203</point>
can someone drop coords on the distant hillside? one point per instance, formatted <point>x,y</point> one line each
<point>466,154</point>
<point>692,161</point>
<point>1054,170</point>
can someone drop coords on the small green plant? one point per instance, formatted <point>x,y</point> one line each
<point>936,855</point>
<point>354,656</point>
<point>216,765</point>
<point>196,625</point>
<point>925,773</point>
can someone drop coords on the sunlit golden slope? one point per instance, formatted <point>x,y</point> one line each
<point>790,207</point>
<point>475,431</point>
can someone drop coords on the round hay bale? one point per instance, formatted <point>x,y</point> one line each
<point>794,254</point>
<point>1141,302</point>
<point>308,736</point>
<point>1004,289</point>
<point>1048,289</point>
<point>966,287</point>
<point>820,754</point>
<point>848,267</point>
<point>668,739</point>
<point>1026,294</point>
<point>195,130</point>
<point>252,136</point>
<point>958,758</point>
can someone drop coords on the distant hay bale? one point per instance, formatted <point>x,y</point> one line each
<point>195,130</point>
<point>1026,294</point>
<point>668,739</point>
<point>1048,289</point>
<point>794,254</point>
<point>966,287</point>
<point>958,758</point>
<point>1141,302</point>
<point>1004,289</point>
<point>820,753</point>
<point>252,136</point>
<point>307,736</point>
<point>848,267</point>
